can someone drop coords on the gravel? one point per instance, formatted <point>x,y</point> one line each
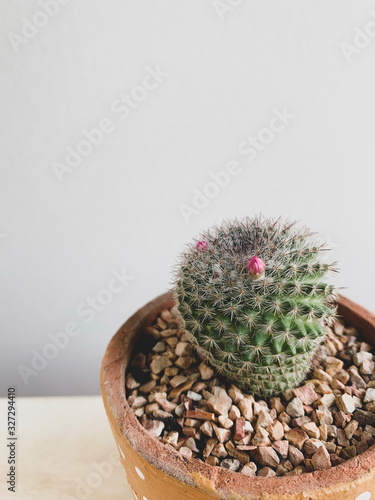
<point>182,402</point>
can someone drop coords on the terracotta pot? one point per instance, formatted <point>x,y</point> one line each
<point>158,472</point>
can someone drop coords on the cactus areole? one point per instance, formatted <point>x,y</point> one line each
<point>254,296</point>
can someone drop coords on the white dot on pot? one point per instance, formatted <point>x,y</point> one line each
<point>364,496</point>
<point>121,452</point>
<point>135,495</point>
<point>141,475</point>
<point>144,498</point>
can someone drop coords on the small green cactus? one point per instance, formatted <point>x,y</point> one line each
<point>254,296</point>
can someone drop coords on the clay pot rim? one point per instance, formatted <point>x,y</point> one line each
<point>190,470</point>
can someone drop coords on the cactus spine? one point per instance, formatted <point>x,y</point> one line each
<point>254,296</point>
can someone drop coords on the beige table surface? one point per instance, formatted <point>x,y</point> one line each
<point>64,452</point>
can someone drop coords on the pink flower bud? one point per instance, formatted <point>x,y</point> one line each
<point>202,245</point>
<point>256,266</point>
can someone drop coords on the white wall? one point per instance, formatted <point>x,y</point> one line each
<point>61,242</point>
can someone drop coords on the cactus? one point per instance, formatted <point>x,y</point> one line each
<point>253,295</point>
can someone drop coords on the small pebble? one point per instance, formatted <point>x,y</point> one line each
<point>295,455</point>
<point>249,469</point>
<point>266,455</point>
<point>345,403</point>
<point>311,430</point>
<point>295,408</point>
<point>321,459</point>
<point>231,464</point>
<point>206,371</point>
<point>362,356</point>
<point>266,472</point>
<point>369,396</point>
<point>306,394</point>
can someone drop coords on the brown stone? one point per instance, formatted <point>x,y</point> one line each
<point>299,421</point>
<point>154,427</point>
<point>342,439</point>
<point>306,394</point>
<point>177,391</point>
<point>295,408</point>
<point>158,364</point>
<point>211,443</point>
<point>332,430</point>
<point>361,446</point>
<point>261,438</point>
<point>183,362</point>
<point>199,414</point>
<point>249,469</point>
<point>312,445</point>
<point>136,402</point>
<point>207,428</point>
<point>266,456</point>
<point>333,365</point>
<point>323,431</point>
<point>186,452</point>
<point>219,405</point>
<point>236,395</point>
<point>234,413</point>
<point>239,429</point>
<point>266,472</point>
<point>276,404</point>
<point>240,455</point>
<point>276,431</point>
<point>177,380</point>
<point>148,386</point>
<point>364,417</point>
<point>345,403</point>
<point>326,400</point>
<point>322,375</point>
<point>282,447</point>
<point>324,415</point>
<point>336,384</point>
<point>245,405</point>
<point>225,422</point>
<point>190,443</point>
<point>349,452</point>
<point>171,438</point>
<point>311,430</point>
<point>211,460</point>
<point>222,435</point>
<point>219,451</point>
<point>284,418</point>
<point>336,460</point>
<point>166,405</point>
<point>367,367</point>
<point>264,420</point>
<point>205,371</point>
<point>231,464</point>
<point>355,378</point>
<point>296,437</point>
<point>191,432</point>
<point>295,455</point>
<point>321,459</point>
<point>339,418</point>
